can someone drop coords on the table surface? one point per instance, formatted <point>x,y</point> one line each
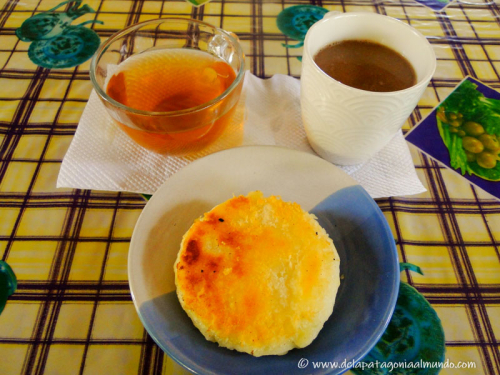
<point>73,312</point>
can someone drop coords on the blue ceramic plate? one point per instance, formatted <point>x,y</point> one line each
<point>369,262</point>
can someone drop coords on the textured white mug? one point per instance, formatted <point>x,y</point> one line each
<point>346,125</point>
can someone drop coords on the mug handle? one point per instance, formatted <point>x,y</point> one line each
<point>332,14</point>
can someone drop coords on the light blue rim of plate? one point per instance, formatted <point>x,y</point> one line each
<point>342,215</point>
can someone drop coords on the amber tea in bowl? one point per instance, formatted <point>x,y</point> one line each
<point>172,85</point>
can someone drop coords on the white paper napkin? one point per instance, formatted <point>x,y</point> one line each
<point>102,157</point>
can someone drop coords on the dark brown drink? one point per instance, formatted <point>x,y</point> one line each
<point>366,66</point>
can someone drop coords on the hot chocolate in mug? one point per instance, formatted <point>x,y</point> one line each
<point>345,125</point>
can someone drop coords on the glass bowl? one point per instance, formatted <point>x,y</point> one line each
<point>144,73</point>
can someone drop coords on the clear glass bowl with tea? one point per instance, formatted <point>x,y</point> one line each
<point>172,85</point>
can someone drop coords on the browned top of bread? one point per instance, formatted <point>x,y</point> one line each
<point>258,275</point>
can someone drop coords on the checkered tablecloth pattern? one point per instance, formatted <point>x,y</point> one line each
<point>73,313</point>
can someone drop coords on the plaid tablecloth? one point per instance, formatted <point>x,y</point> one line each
<point>73,313</point>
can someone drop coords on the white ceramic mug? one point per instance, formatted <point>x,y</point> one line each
<point>346,125</point>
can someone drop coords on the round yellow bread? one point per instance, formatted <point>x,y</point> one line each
<point>258,275</point>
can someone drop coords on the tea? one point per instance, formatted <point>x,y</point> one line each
<point>366,65</point>
<point>173,80</point>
